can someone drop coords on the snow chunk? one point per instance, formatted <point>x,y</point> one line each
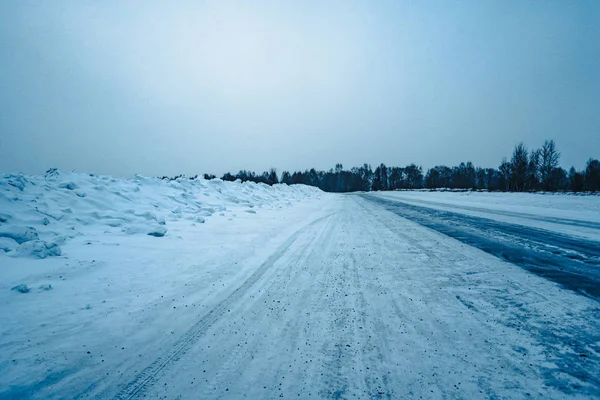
<point>158,231</point>
<point>52,173</point>
<point>36,249</point>
<point>17,181</point>
<point>61,239</point>
<point>7,244</point>
<point>21,288</point>
<point>69,185</point>
<point>148,229</point>
<point>19,234</point>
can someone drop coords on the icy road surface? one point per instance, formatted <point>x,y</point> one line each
<point>345,296</point>
<point>569,260</point>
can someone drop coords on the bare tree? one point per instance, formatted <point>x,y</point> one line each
<point>549,157</point>
<point>533,180</point>
<point>519,168</point>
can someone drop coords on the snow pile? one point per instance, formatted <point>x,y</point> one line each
<point>40,213</point>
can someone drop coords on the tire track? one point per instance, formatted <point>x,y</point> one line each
<point>295,328</point>
<point>278,283</point>
<point>138,386</point>
<point>342,362</point>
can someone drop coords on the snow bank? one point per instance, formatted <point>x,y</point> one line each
<point>40,213</point>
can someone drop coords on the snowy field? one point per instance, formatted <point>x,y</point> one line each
<point>567,213</point>
<point>191,289</point>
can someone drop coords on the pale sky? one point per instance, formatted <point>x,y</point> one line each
<point>163,88</point>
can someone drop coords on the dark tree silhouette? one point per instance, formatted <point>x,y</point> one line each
<point>549,157</point>
<point>272,178</point>
<point>533,170</point>
<point>592,175</point>
<point>519,168</point>
<point>576,180</point>
<point>286,178</point>
<point>228,177</point>
<point>533,179</point>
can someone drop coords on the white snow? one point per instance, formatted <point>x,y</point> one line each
<point>560,212</point>
<point>262,291</point>
<point>88,263</point>
<point>38,214</point>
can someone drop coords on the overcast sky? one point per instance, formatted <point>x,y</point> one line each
<point>162,88</point>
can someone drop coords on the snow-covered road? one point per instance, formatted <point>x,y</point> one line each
<point>567,259</point>
<point>339,297</point>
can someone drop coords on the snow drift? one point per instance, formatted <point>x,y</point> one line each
<point>40,213</point>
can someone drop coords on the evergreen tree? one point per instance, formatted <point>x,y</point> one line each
<point>576,180</point>
<point>592,175</point>
<point>286,178</point>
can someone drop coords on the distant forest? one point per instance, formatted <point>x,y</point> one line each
<point>526,171</point>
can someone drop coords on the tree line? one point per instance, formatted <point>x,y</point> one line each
<point>525,171</point>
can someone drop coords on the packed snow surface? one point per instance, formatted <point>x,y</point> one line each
<point>567,213</point>
<point>194,289</point>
